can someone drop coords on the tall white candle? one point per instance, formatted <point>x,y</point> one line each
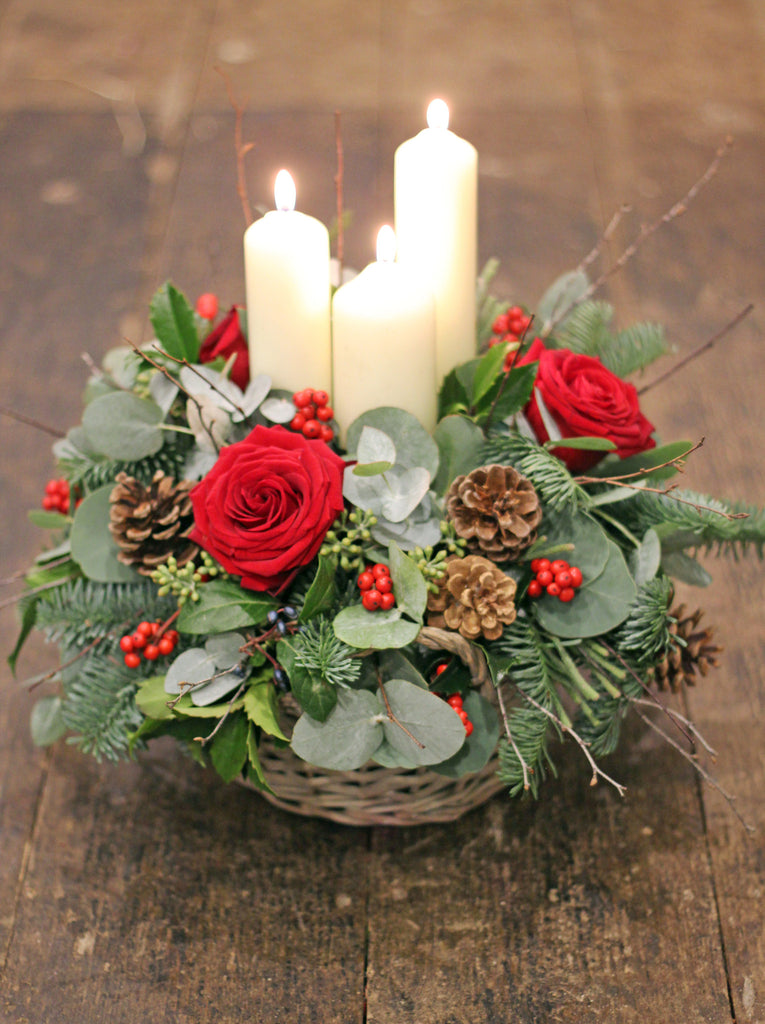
<point>436,190</point>
<point>286,260</point>
<point>383,341</point>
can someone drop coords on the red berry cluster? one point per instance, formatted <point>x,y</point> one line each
<point>313,414</point>
<point>148,640</point>
<point>454,700</point>
<point>510,326</point>
<point>207,306</point>
<point>558,579</point>
<point>376,588</point>
<point>56,497</point>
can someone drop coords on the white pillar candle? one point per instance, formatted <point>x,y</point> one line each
<point>383,341</point>
<point>286,260</point>
<point>436,202</point>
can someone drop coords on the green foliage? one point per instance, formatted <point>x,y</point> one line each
<point>318,649</point>
<point>488,307</point>
<point>223,605</point>
<point>99,705</point>
<point>90,471</point>
<point>644,635</point>
<point>174,323</point>
<point>93,547</point>
<point>552,481</point>
<point>587,331</point>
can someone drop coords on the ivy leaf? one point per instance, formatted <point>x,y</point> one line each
<point>228,751</point>
<point>357,627</point>
<point>46,723</point>
<point>348,738</point>
<point>322,592</point>
<point>600,604</point>
<point>260,708</point>
<point>123,426</point>
<point>408,584</point>
<point>222,606</point>
<point>474,754</point>
<point>436,732</point>
<point>93,547</point>
<point>460,442</point>
<point>174,324</point>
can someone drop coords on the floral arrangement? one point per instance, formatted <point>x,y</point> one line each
<point>224,572</point>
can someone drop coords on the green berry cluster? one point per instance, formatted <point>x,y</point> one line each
<point>348,539</point>
<point>183,582</point>
<point>432,562</point>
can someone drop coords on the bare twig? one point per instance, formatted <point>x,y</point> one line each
<point>21,418</point>
<point>195,370</point>
<point>688,729</point>
<point>339,191</point>
<point>525,768</point>
<point>700,350</point>
<point>204,740</point>
<point>645,233</point>
<point>241,149</point>
<point>35,590</point>
<point>30,684</point>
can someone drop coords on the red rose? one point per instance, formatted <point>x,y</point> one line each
<point>265,507</point>
<point>227,340</point>
<point>586,400</point>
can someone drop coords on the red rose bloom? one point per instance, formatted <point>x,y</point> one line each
<point>586,400</point>
<point>227,340</point>
<point>265,507</point>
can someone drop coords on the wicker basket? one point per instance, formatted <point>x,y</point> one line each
<point>373,795</point>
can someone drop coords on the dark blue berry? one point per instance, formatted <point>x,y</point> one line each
<point>272,618</point>
<point>281,627</point>
<point>289,612</point>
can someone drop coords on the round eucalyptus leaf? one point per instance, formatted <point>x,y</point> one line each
<point>424,728</point>
<point>478,747</point>
<point>414,445</point>
<point>93,547</point>
<point>348,737</point>
<point>124,426</point>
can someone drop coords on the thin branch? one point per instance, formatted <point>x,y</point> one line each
<point>700,350</point>
<point>21,418</point>
<point>692,734</point>
<point>646,231</point>
<point>35,681</point>
<point>678,462</point>
<point>339,190</point>
<point>597,772</point>
<point>241,149</point>
<point>204,740</point>
<point>35,590</point>
<point>607,235</point>
<point>524,766</point>
<point>197,371</point>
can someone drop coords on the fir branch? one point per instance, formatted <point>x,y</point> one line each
<point>552,481</point>
<point>645,635</point>
<point>318,650</point>
<point>99,706</point>
<point>527,761</point>
<point>93,471</point>
<point>686,519</point>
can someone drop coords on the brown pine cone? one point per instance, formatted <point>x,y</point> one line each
<point>475,598</point>
<point>496,510</point>
<point>678,666</point>
<point>151,523</point>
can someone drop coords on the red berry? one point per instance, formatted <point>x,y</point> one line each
<point>384,584</point>
<point>132,660</point>
<point>139,641</point>
<point>553,590</point>
<point>308,410</point>
<point>320,398</point>
<point>174,635</point>
<point>535,566</point>
<point>146,628</point>
<point>51,487</point>
<point>62,487</point>
<point>366,581</point>
<point>563,578</point>
<point>207,306</point>
<point>151,652</point>
<point>166,646</point>
<point>566,594</point>
<point>324,413</point>
<point>297,422</point>
<point>468,727</point>
<point>371,600</point>
<point>386,601</point>
<point>442,667</point>
<point>542,564</point>
<point>544,578</point>
<point>326,434</point>
<point>576,576</point>
<point>49,503</point>
<point>535,589</point>
<point>462,713</point>
<point>126,644</point>
<point>302,397</point>
<point>379,570</point>
<point>454,700</point>
<point>311,429</point>
<point>558,566</point>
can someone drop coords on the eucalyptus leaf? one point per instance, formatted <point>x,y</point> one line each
<point>387,756</point>
<point>223,605</point>
<point>479,746</point>
<point>46,723</point>
<point>394,664</point>
<point>590,541</point>
<point>600,604</point>
<point>278,410</point>
<point>645,560</point>
<point>409,584</point>
<point>254,394</point>
<point>163,391</point>
<point>348,738</point>
<point>313,693</point>
<point>48,520</point>
<point>93,547</point>
<point>424,728</point>
<point>123,426</point>
<point>414,445</point>
<point>460,442</point>
<point>683,567</point>
<point>357,627</point>
<point>375,446</point>
<point>404,491</point>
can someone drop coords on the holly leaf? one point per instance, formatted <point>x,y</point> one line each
<point>260,708</point>
<point>222,606</point>
<point>488,370</point>
<point>174,323</point>
<point>517,391</point>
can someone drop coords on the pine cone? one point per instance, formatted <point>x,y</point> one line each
<point>151,523</point>
<point>475,598</point>
<point>496,510</point>
<point>681,661</point>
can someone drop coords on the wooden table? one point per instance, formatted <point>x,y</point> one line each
<point>149,892</point>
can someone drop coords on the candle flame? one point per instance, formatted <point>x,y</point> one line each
<point>284,191</point>
<point>386,244</point>
<point>438,115</point>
